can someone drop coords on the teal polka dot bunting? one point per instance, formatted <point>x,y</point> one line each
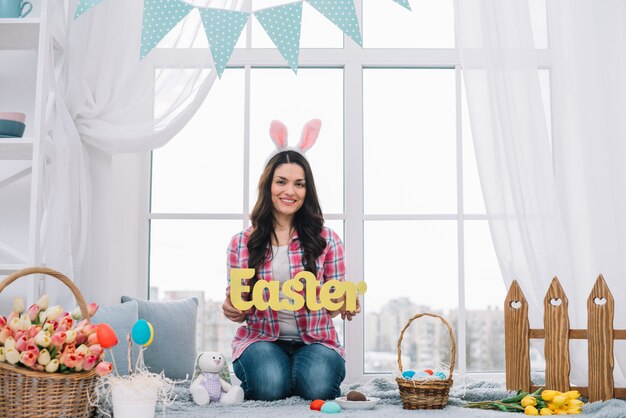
<point>85,5</point>
<point>342,14</point>
<point>160,17</point>
<point>282,24</point>
<point>404,3</point>
<point>223,28</point>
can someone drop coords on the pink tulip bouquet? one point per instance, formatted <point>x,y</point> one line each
<point>46,338</point>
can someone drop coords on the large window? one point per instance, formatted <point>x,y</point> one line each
<point>395,171</point>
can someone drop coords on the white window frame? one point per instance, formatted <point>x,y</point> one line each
<point>353,59</point>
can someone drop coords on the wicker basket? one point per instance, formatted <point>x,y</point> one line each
<point>425,394</point>
<point>27,393</point>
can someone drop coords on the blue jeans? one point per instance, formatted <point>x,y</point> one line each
<point>278,369</point>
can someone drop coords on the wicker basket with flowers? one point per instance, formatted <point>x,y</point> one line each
<point>50,360</point>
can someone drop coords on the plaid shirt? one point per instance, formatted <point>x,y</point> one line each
<point>314,326</point>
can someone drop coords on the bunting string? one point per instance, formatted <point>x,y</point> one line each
<point>223,27</point>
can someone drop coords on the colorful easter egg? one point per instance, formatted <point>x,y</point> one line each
<point>331,407</point>
<point>106,336</point>
<point>143,333</point>
<point>407,374</point>
<point>429,371</point>
<point>440,375</point>
<point>317,404</point>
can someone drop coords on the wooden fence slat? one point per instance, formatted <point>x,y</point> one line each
<point>600,336</point>
<point>556,325</point>
<point>516,338</point>
<point>600,342</point>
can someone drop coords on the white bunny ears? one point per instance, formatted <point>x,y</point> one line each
<point>310,132</point>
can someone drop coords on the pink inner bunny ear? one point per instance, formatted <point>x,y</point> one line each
<point>310,132</point>
<point>278,133</point>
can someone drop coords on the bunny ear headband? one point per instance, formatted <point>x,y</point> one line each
<point>278,133</point>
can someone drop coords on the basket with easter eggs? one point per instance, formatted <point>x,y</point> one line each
<point>134,395</point>
<point>50,360</point>
<point>427,389</point>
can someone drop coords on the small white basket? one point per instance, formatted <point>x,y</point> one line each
<point>133,402</point>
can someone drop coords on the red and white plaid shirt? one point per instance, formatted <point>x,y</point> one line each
<point>314,326</point>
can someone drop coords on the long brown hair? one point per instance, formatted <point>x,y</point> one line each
<point>307,221</point>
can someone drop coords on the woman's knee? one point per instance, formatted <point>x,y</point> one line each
<point>265,372</point>
<point>318,372</point>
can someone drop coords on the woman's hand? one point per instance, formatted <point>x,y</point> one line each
<point>350,314</point>
<point>344,313</point>
<point>233,313</point>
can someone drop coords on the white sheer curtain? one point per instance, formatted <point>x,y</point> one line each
<point>589,94</point>
<point>554,209</point>
<point>104,108</point>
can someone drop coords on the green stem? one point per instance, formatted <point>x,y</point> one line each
<point>515,398</point>
<point>481,405</point>
<point>514,406</point>
<point>496,405</point>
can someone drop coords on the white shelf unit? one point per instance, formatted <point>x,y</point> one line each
<point>16,149</point>
<point>24,55</point>
<point>19,34</point>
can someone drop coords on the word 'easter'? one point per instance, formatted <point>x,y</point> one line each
<point>329,292</point>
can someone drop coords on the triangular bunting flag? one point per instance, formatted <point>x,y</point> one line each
<point>85,5</point>
<point>160,17</point>
<point>223,28</point>
<point>282,24</point>
<point>404,3</point>
<point>342,14</point>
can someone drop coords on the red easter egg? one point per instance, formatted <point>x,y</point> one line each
<point>316,405</point>
<point>106,336</point>
<point>430,372</point>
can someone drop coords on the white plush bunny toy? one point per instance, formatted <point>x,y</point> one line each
<point>209,386</point>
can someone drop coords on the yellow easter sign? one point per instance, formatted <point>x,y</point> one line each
<point>332,289</point>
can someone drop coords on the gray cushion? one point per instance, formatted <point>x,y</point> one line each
<point>173,350</point>
<point>121,318</point>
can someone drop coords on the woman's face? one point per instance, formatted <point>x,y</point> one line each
<point>288,189</point>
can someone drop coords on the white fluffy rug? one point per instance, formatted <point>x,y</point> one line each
<point>389,405</point>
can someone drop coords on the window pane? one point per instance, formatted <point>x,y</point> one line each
<point>430,24</point>
<point>314,93</point>
<point>201,169</point>
<point>409,141</point>
<point>399,288</point>
<point>484,296</point>
<point>316,31</point>
<point>473,201</point>
<point>188,258</point>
